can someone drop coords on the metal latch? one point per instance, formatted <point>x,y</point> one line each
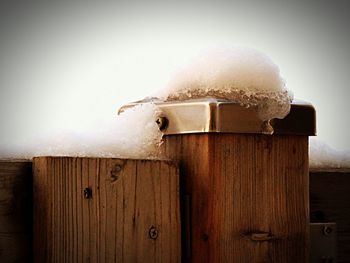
<point>323,242</point>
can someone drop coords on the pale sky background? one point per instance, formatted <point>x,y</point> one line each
<point>66,64</point>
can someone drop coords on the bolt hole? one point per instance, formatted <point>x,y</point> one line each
<point>87,193</point>
<point>162,123</point>
<point>327,230</point>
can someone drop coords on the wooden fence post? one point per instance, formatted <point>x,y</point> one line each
<point>244,180</point>
<point>248,196</point>
<point>105,210</point>
<point>15,211</point>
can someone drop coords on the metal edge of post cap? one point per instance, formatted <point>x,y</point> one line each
<point>211,115</point>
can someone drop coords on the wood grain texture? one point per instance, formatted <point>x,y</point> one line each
<point>15,211</point>
<point>330,202</point>
<point>248,193</point>
<point>132,214</point>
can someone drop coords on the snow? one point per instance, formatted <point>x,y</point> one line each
<point>322,156</point>
<point>132,134</point>
<point>244,75</point>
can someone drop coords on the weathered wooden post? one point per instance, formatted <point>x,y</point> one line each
<point>245,184</point>
<point>105,210</point>
<point>15,211</point>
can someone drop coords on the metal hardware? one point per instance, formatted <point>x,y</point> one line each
<point>323,239</point>
<point>87,193</point>
<point>153,232</point>
<point>327,230</point>
<point>162,123</point>
<point>117,168</point>
<point>219,115</point>
<point>115,171</point>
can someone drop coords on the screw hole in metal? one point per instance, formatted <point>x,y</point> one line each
<point>327,230</point>
<point>162,123</point>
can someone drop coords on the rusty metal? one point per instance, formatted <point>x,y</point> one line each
<point>210,115</point>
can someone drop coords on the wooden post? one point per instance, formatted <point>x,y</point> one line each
<point>244,179</point>
<point>248,196</point>
<point>105,210</point>
<point>15,211</point>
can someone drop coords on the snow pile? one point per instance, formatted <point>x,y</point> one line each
<point>322,156</point>
<point>243,75</point>
<point>133,134</point>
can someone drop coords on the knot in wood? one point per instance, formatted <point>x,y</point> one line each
<point>260,237</point>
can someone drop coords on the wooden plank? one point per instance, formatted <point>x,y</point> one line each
<point>248,196</point>
<point>330,202</point>
<point>106,210</point>
<point>15,211</point>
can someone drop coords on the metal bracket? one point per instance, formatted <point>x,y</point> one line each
<point>211,115</point>
<point>323,239</point>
